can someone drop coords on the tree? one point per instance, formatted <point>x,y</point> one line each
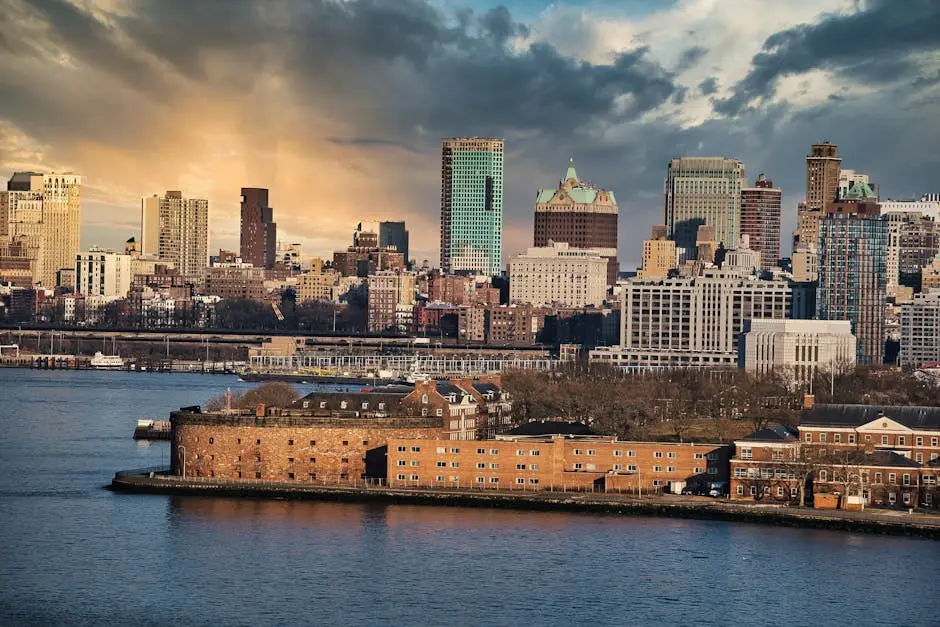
<point>269,394</point>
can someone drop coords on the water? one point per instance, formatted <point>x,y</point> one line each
<point>73,553</point>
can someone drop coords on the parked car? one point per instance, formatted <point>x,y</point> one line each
<point>714,492</point>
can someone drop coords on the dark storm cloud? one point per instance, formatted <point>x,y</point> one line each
<point>708,86</point>
<point>369,142</point>
<point>690,57</point>
<point>869,45</point>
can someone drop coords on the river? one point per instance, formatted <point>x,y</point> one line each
<point>74,553</point>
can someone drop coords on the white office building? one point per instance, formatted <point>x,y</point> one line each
<point>798,348</point>
<point>102,273</point>
<point>558,275</point>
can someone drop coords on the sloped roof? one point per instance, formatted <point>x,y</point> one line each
<point>777,433</point>
<point>485,386</point>
<point>571,173</point>
<point>552,427</point>
<point>886,459</point>
<point>859,189</point>
<point>354,400</point>
<point>446,388</point>
<point>579,192</point>
<point>913,417</point>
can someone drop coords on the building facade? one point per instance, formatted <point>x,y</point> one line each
<point>580,215</point>
<point>176,230</point>
<point>799,348</point>
<point>472,205</point>
<point>391,301</point>
<point>44,212</point>
<point>760,219</point>
<point>913,242</point>
<point>394,235</point>
<point>557,463</point>
<point>558,274</point>
<point>100,272</point>
<point>659,255</point>
<point>691,322</point>
<point>920,330</point>
<point>853,245</point>
<point>258,229</point>
<point>703,191</point>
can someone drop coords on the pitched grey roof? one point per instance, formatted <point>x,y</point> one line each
<point>886,459</point>
<point>484,386</point>
<point>354,400</point>
<point>777,433</point>
<point>913,417</point>
<point>446,388</point>
<point>552,427</point>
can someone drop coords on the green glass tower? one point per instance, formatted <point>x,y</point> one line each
<point>472,205</point>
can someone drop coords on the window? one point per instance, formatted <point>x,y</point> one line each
<point>712,455</point>
<point>424,411</point>
<point>671,455</point>
<point>868,438</point>
<point>900,440</point>
<point>892,478</point>
<point>740,490</point>
<point>592,451</point>
<point>933,441</point>
<point>414,463</point>
<point>239,441</point>
<point>919,458</point>
<point>289,442</point>
<point>455,464</point>
<point>424,398</point>
<point>414,449</point>
<point>312,475</point>
<point>878,477</point>
<point>658,454</point>
<point>533,466</point>
<point>438,412</point>
<point>290,475</point>
<point>533,481</point>
<point>919,440</point>
<point>480,480</point>
<point>402,462</point>
<point>382,405</point>
<point>836,438</point>
<point>534,453</point>
<point>365,443</point>
<point>700,456</point>
<point>494,451</point>
<point>851,438</point>
<point>520,480</point>
<point>211,440</point>
<point>440,450</point>
<point>454,451</point>
<point>439,478</point>
<point>481,465</point>
<point>520,466</point>
<point>257,475</point>
<point>670,469</point>
<point>342,405</point>
<point>322,404</point>
<point>413,477</point>
<point>884,439</point>
<point>578,451</point>
<point>402,449</point>
<point>618,453</point>
<point>442,464</point>
<point>657,468</point>
<point>257,442</point>
<point>712,470</point>
<point>481,451</point>
<point>631,468</point>
<point>257,458</point>
<point>780,491</point>
<point>577,466</point>
<point>313,442</point>
<point>906,479</point>
<point>313,460</point>
<point>400,477</point>
<point>753,490</point>
<point>822,437</point>
<point>290,460</point>
<point>745,452</point>
<point>822,475</point>
<point>808,437</point>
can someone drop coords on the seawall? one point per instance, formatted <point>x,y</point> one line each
<point>870,521</point>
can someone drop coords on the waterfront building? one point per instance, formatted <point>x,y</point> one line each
<point>43,212</point>
<point>471,205</point>
<point>102,272</point>
<point>391,301</point>
<point>558,275</point>
<point>176,229</point>
<point>920,330</point>
<point>703,191</point>
<point>258,229</point>
<point>760,219</point>
<point>556,462</point>
<point>798,348</point>
<point>659,255</point>
<point>853,244</point>
<point>691,321</point>
<point>580,215</point>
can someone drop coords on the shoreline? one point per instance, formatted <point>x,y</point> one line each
<point>872,521</point>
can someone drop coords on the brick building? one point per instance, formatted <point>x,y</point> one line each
<point>885,455</point>
<point>228,283</point>
<point>554,463</point>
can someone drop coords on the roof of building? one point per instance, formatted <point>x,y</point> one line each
<point>778,433</point>
<point>484,387</point>
<point>571,174</point>
<point>552,427</point>
<point>446,388</point>
<point>350,401</point>
<point>913,417</point>
<point>579,192</point>
<point>886,459</point>
<point>859,189</point>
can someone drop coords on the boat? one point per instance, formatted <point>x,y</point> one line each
<point>149,429</point>
<point>416,375</point>
<point>105,362</point>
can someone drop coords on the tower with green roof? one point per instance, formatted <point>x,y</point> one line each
<point>581,215</point>
<point>472,205</point>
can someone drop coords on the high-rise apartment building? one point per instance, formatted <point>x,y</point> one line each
<point>558,275</point>
<point>580,215</point>
<point>176,230</point>
<point>920,330</point>
<point>853,250</point>
<point>258,229</point>
<point>659,255</point>
<point>913,241</point>
<point>391,300</point>
<point>691,321</point>
<point>395,235</point>
<point>760,219</point>
<point>472,205</point>
<point>703,191</point>
<point>823,166</point>
<point>43,212</point>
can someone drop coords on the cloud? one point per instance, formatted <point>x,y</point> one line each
<point>876,43</point>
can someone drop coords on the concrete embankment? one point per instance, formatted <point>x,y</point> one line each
<point>871,521</point>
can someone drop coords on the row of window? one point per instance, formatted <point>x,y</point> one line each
<point>456,479</point>
<point>901,440</point>
<point>289,442</point>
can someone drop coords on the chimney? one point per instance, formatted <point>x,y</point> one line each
<point>259,410</point>
<point>809,400</point>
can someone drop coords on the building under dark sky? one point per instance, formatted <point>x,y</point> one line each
<point>259,231</point>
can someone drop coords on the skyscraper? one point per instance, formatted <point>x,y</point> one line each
<point>823,166</point>
<point>259,231</point>
<point>853,244</point>
<point>760,219</point>
<point>176,229</point>
<point>580,215</point>
<point>44,213</point>
<point>472,205</point>
<point>700,191</point>
<point>394,234</point>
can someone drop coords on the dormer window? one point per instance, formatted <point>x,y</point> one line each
<point>424,398</point>
<point>322,404</point>
<point>342,405</point>
<point>365,405</point>
<point>381,405</point>
<point>306,404</point>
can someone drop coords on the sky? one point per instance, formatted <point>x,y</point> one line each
<point>339,106</point>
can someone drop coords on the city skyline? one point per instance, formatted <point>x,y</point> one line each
<point>661,83</point>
